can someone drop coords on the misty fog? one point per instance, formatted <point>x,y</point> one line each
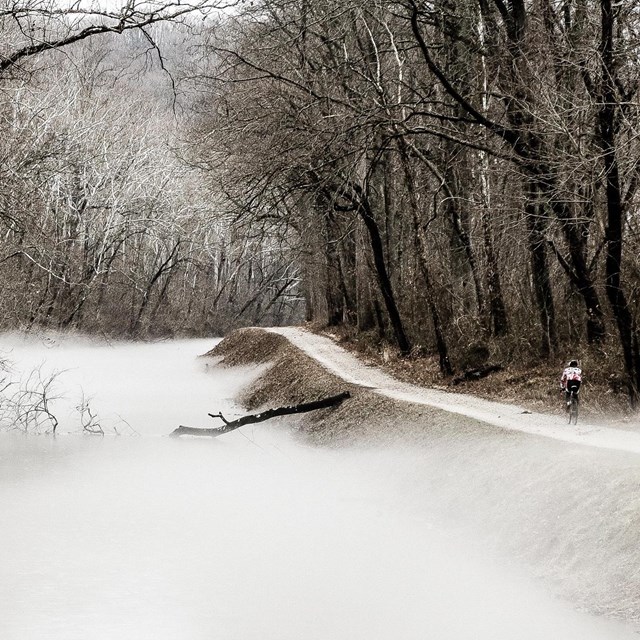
<point>253,535</point>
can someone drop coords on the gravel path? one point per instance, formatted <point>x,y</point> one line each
<point>506,416</point>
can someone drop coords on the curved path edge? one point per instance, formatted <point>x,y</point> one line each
<point>507,416</point>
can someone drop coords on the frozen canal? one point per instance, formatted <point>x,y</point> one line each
<point>252,536</point>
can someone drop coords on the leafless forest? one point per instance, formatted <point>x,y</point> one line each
<point>457,176</point>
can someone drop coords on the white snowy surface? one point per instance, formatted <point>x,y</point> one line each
<point>507,416</point>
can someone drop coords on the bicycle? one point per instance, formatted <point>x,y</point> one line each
<point>573,406</point>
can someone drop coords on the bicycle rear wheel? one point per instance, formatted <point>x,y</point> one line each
<point>573,410</point>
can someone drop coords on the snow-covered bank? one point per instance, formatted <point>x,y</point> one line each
<point>569,512</point>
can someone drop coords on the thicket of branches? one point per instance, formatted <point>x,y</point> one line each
<point>455,172</point>
<point>103,225</point>
<point>459,176</point>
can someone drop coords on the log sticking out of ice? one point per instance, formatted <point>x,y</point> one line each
<point>305,407</point>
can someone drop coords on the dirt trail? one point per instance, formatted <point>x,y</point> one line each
<point>507,416</point>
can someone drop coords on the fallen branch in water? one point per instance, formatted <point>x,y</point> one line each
<point>331,401</point>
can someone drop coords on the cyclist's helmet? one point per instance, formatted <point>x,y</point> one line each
<point>573,363</point>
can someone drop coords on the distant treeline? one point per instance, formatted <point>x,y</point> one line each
<point>106,225</point>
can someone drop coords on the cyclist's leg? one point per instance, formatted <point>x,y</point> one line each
<point>573,386</point>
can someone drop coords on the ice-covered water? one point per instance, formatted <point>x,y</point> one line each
<point>252,536</point>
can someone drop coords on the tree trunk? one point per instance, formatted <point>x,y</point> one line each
<point>615,215</point>
<point>534,217</point>
<point>384,282</point>
<point>423,260</point>
<point>498,321</point>
<point>497,311</point>
<point>333,292</point>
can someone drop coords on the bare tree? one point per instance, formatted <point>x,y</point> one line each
<point>33,27</point>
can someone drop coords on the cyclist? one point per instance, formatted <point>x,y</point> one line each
<point>570,381</point>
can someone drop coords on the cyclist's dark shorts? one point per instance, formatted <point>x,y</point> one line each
<point>573,385</point>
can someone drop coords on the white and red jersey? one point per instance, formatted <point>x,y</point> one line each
<point>569,374</point>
